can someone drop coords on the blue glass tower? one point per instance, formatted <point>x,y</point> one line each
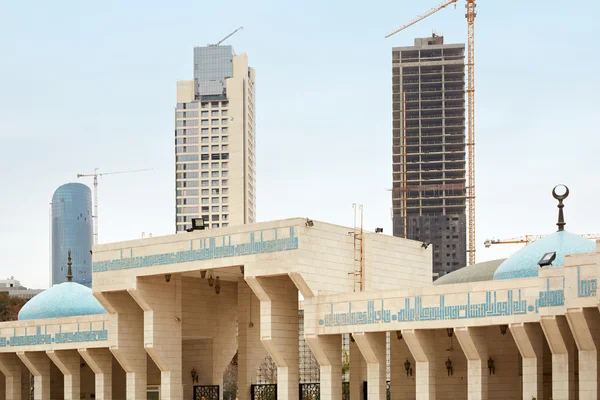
<point>72,228</point>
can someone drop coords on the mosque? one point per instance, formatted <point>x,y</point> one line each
<point>166,315</point>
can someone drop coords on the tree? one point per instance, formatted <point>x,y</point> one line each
<point>230,377</point>
<point>10,306</point>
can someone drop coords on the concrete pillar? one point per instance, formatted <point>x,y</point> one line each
<point>327,350</point>
<point>421,344</point>
<point>562,345</point>
<point>279,329</point>
<point>128,349</point>
<point>530,342</point>
<point>100,361</point>
<point>585,327</point>
<point>38,364</point>
<point>161,302</point>
<point>372,346</point>
<point>10,366</point>
<point>402,383</point>
<point>224,337</point>
<point>251,352</point>
<point>69,363</point>
<point>473,343</point>
<point>358,371</point>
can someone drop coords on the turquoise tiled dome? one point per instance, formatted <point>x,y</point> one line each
<point>68,299</point>
<point>524,263</point>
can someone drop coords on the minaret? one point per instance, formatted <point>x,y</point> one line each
<point>69,271</point>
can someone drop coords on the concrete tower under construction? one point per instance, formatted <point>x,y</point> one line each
<point>429,175</point>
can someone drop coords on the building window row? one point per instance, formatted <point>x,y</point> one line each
<point>187,175</point>
<point>182,184</point>
<point>186,149</point>
<point>188,192</point>
<point>187,106</point>
<point>187,114</point>
<point>214,104</point>
<point>188,200</point>
<point>188,157</point>
<point>186,167</point>
<point>214,156</point>
<point>186,132</point>
<point>187,122</point>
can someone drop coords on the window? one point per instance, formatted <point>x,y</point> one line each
<point>224,139</point>
<point>225,200</point>
<point>204,131</point>
<point>189,157</point>
<point>214,122</point>
<point>215,148</point>
<point>224,182</point>
<point>204,114</point>
<point>204,140</point>
<point>204,104</point>
<point>204,157</point>
<point>225,191</point>
<point>205,174</point>
<point>215,226</point>
<point>204,165</point>
<point>225,225</point>
<point>215,191</point>
<point>205,209</point>
<point>224,165</point>
<point>214,182</point>
<point>214,104</point>
<point>225,217</point>
<point>214,113</point>
<point>225,208</point>
<point>224,113</point>
<point>204,183</point>
<point>204,149</point>
<point>215,165</point>
<point>215,200</point>
<point>204,192</point>
<point>215,217</point>
<point>215,156</point>
<point>224,147</point>
<point>224,174</point>
<point>214,174</point>
<point>224,156</point>
<point>224,121</point>
<point>224,129</point>
<point>204,122</point>
<point>215,139</point>
<point>215,131</point>
<point>224,104</point>
<point>205,200</point>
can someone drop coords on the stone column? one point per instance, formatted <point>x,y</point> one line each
<point>69,363</point>
<point>421,344</point>
<point>562,345</point>
<point>10,366</point>
<point>358,371</point>
<point>372,346</point>
<point>529,339</point>
<point>279,329</point>
<point>38,364</point>
<point>161,302</point>
<point>251,352</point>
<point>100,361</point>
<point>473,343</point>
<point>585,327</point>
<point>327,350</point>
<point>402,385</point>
<point>128,349</point>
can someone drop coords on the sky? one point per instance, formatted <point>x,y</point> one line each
<point>87,85</point>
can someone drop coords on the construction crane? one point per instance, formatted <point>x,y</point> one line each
<point>227,37</point>
<point>470,16</point>
<point>531,238</point>
<point>96,175</point>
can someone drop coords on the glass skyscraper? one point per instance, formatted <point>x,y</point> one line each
<point>72,228</point>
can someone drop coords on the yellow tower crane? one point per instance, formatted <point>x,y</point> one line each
<point>531,238</point>
<point>95,174</point>
<point>470,16</point>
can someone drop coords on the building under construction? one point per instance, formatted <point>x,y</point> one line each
<point>429,175</point>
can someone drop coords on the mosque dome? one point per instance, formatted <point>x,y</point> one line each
<point>524,263</point>
<point>67,299</point>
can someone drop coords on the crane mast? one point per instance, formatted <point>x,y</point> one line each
<point>95,175</point>
<point>470,187</point>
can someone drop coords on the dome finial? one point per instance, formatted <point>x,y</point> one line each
<point>69,271</point>
<point>560,197</point>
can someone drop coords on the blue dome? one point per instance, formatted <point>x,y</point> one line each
<point>524,263</point>
<point>68,299</point>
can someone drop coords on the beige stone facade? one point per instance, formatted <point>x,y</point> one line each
<point>189,301</point>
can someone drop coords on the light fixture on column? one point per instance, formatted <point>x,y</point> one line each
<point>450,332</point>
<point>378,230</point>
<point>194,375</point>
<point>211,278</point>
<point>242,269</point>
<point>399,335</point>
<point>491,366</point>
<point>449,366</point>
<point>407,368</point>
<point>202,274</point>
<point>352,338</point>
<point>167,278</point>
<point>218,285</point>
<point>309,222</point>
<point>503,329</point>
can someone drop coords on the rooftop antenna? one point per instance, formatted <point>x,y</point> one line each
<point>227,37</point>
<point>69,270</point>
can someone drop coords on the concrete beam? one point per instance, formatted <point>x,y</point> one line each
<point>327,351</point>
<point>69,363</point>
<point>529,339</point>
<point>421,344</point>
<point>474,345</point>
<point>100,362</point>
<point>38,364</point>
<point>11,367</point>
<point>562,345</point>
<point>373,348</point>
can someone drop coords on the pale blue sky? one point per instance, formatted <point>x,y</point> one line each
<point>92,84</point>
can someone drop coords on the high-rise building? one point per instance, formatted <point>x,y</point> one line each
<point>428,85</point>
<point>72,230</point>
<point>215,141</point>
